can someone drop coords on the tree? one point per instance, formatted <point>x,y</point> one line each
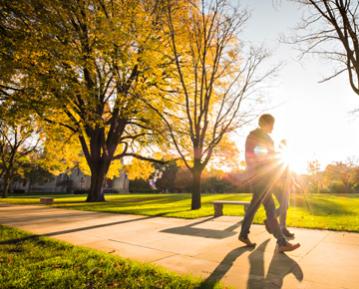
<point>83,65</point>
<point>19,136</point>
<point>343,173</point>
<point>225,157</point>
<point>314,172</point>
<point>331,28</point>
<point>213,79</point>
<point>35,172</point>
<point>165,180</point>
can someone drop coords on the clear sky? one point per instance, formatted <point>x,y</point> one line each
<point>315,118</point>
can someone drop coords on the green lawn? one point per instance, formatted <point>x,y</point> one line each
<point>43,263</point>
<point>324,211</point>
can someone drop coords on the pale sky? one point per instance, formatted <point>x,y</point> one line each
<point>314,118</point>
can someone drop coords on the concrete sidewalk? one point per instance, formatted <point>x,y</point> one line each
<point>205,247</point>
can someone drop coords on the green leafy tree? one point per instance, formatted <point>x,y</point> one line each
<point>165,181</point>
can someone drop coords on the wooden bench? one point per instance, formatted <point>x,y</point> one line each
<point>46,201</point>
<point>218,206</point>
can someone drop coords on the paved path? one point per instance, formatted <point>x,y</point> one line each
<point>205,247</point>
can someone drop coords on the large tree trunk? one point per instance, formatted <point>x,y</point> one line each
<point>98,160</point>
<point>95,193</point>
<point>196,188</point>
<point>6,187</point>
<point>97,179</point>
<point>5,191</point>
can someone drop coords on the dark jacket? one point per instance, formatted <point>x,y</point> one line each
<point>260,155</point>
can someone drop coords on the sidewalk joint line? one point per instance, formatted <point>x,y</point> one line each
<point>142,246</point>
<point>156,260</point>
<point>315,246</point>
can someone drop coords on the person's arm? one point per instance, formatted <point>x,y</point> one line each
<point>249,151</point>
<point>273,155</point>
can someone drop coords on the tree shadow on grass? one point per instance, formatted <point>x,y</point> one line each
<point>123,202</point>
<point>148,211</point>
<point>133,206</point>
<point>117,201</point>
<point>321,207</point>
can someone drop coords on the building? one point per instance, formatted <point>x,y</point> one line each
<point>74,182</point>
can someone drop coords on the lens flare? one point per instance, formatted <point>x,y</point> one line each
<point>286,157</point>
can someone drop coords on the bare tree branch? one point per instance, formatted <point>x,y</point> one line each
<point>334,24</point>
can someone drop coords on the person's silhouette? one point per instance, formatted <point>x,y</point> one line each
<point>263,170</point>
<point>282,192</point>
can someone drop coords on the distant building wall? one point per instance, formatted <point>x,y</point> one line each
<point>121,183</point>
<point>76,181</point>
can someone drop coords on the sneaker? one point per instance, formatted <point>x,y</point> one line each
<point>266,225</point>
<point>288,247</point>
<point>288,234</point>
<point>246,241</point>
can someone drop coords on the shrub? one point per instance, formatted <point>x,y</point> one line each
<point>140,186</point>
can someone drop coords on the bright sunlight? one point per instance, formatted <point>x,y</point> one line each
<point>288,157</point>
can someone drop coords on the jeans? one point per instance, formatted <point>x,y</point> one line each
<point>283,199</point>
<point>261,191</point>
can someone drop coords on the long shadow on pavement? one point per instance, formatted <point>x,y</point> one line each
<point>18,240</point>
<point>280,266</point>
<point>224,266</point>
<point>191,230</point>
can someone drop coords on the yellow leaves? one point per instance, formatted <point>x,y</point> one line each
<point>62,150</point>
<point>138,169</point>
<point>226,156</point>
<point>115,169</point>
<point>180,163</point>
<point>83,165</point>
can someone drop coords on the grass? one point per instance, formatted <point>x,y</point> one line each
<point>37,262</point>
<point>319,211</point>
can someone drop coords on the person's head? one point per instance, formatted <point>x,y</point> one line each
<point>283,143</point>
<point>266,122</point>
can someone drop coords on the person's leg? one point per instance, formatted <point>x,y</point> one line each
<point>281,212</point>
<point>278,194</point>
<point>251,210</point>
<point>283,244</point>
<point>283,209</point>
<point>260,189</point>
<point>272,221</point>
<point>283,215</point>
<point>282,195</point>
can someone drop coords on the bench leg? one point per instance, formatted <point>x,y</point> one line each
<point>218,210</point>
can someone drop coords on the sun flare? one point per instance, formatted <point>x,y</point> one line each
<point>288,159</point>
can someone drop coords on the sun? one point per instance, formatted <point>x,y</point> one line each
<point>287,158</point>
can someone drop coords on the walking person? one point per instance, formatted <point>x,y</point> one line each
<point>263,171</point>
<point>283,194</point>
